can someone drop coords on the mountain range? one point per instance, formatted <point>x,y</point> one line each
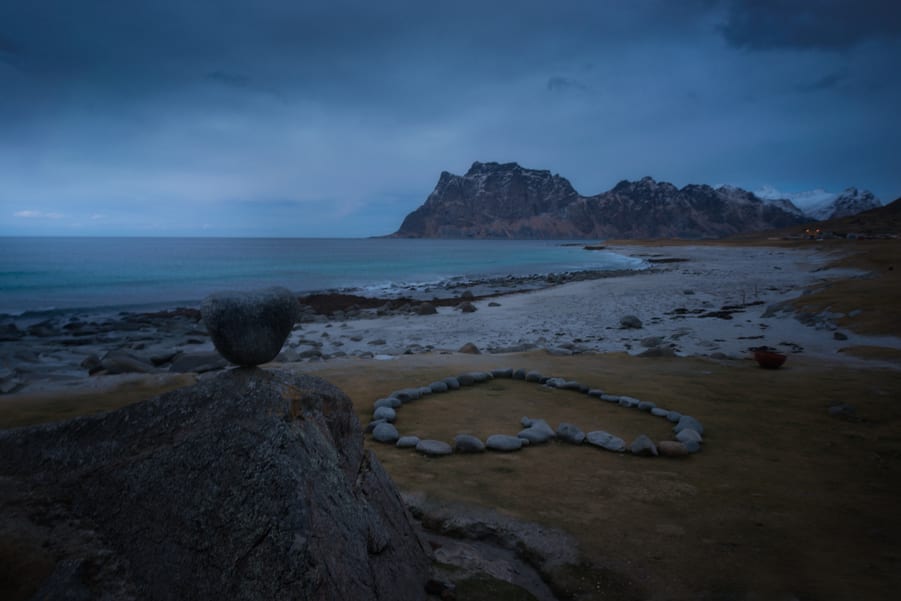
<point>505,200</point>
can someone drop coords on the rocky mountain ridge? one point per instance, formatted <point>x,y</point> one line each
<point>505,200</point>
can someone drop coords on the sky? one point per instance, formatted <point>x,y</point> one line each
<point>336,118</point>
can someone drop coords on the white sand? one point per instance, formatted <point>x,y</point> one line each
<point>586,315</point>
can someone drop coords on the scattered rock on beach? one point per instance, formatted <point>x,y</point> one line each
<point>467,307</point>
<point>470,349</point>
<point>249,328</point>
<point>426,309</point>
<point>630,322</point>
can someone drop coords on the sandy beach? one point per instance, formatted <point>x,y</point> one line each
<point>691,301</point>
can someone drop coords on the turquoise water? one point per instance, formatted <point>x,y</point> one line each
<point>40,274</point>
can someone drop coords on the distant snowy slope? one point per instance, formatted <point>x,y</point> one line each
<point>822,205</point>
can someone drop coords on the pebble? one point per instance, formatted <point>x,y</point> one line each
<point>371,425</point>
<point>533,376</point>
<point>690,423</point>
<point>438,386</point>
<point>466,443</point>
<point>503,443</point>
<point>385,432</point>
<point>480,376</point>
<point>386,413</point>
<point>595,392</point>
<point>646,405</point>
<point>605,440</point>
<point>433,448</point>
<point>643,446</point>
<point>391,401</point>
<point>519,374</point>
<point>466,380</point>
<point>687,435</point>
<point>538,431</point>
<point>658,412</point>
<point>452,383</point>
<point>570,433</point>
<point>693,446</point>
<point>610,398</point>
<point>407,395</point>
<point>470,348</point>
<point>407,442</point>
<point>502,373</point>
<point>628,402</point>
<point>671,448</point>
<point>674,416</point>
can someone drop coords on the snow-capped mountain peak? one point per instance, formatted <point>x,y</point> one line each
<point>822,205</point>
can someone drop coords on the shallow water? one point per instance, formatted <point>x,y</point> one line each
<point>43,274</point>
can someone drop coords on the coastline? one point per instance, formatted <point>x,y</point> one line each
<point>694,301</point>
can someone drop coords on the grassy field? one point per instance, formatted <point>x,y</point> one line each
<point>783,497</point>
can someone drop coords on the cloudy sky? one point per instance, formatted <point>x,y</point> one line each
<point>335,118</point>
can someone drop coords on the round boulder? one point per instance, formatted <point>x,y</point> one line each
<point>643,446</point>
<point>466,443</point>
<point>433,448</point>
<point>406,442</point>
<point>249,328</point>
<point>605,440</point>
<point>385,432</point>
<point>671,448</point>
<point>504,443</point>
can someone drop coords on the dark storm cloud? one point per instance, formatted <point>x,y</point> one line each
<point>820,24</point>
<point>167,112</point>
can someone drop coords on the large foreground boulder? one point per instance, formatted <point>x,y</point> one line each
<point>249,328</point>
<point>252,485</point>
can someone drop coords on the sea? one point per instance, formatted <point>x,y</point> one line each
<point>41,275</point>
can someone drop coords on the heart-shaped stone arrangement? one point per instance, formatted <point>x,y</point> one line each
<point>249,328</point>
<point>687,430</point>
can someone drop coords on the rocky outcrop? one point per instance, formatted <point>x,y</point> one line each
<point>252,485</point>
<point>508,201</point>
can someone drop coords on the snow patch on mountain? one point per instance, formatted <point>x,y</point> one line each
<point>820,204</point>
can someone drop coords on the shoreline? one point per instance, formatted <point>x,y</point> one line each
<point>691,301</point>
